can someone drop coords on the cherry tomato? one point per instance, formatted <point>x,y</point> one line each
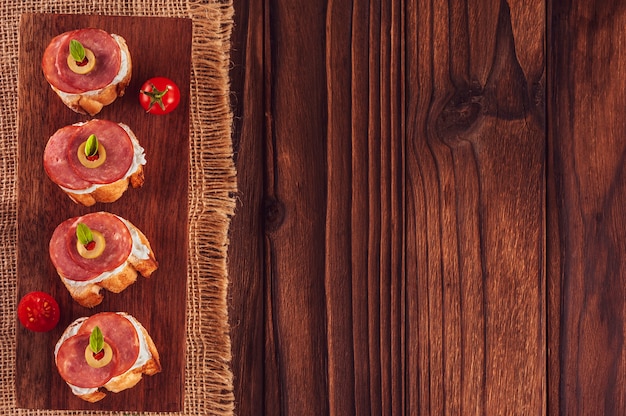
<point>159,95</point>
<point>38,311</point>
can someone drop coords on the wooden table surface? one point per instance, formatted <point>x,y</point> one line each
<point>431,207</point>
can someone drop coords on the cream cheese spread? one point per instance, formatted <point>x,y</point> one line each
<point>121,74</point>
<point>139,250</point>
<point>139,158</point>
<point>143,357</point>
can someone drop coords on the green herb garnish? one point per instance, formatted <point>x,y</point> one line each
<point>77,51</point>
<point>83,233</point>
<point>96,340</point>
<point>91,147</point>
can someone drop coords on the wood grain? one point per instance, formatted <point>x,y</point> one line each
<point>475,214</point>
<point>159,209</point>
<point>245,255</point>
<point>587,159</point>
<point>408,161</point>
<point>429,219</point>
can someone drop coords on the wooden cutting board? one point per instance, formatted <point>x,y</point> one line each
<point>159,47</point>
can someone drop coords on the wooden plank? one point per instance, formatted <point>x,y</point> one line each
<point>404,153</point>
<point>295,192</point>
<point>339,285</point>
<point>159,209</point>
<point>587,159</point>
<point>246,251</point>
<point>364,211</point>
<point>475,313</point>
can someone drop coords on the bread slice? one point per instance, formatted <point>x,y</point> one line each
<point>132,376</point>
<point>91,102</point>
<point>109,192</point>
<point>89,294</point>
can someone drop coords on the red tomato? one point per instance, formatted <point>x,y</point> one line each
<point>159,95</point>
<point>38,311</point>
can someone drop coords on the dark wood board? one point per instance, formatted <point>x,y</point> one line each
<point>391,220</point>
<point>587,196</point>
<point>465,316</point>
<point>159,46</point>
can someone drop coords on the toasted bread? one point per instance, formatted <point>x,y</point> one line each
<point>110,192</point>
<point>131,377</point>
<point>91,102</point>
<point>89,294</point>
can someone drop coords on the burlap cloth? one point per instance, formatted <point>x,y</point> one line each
<point>208,383</point>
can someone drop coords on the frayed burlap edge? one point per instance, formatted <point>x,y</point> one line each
<point>211,206</point>
<point>209,379</point>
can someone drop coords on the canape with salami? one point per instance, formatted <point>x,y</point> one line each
<point>87,68</point>
<point>110,350</point>
<point>99,251</point>
<point>94,161</point>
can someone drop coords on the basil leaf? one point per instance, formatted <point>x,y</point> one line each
<point>96,340</point>
<point>83,233</point>
<point>77,51</point>
<point>91,147</point>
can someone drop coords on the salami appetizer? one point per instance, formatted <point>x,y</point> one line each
<point>110,350</point>
<point>87,68</point>
<point>99,251</point>
<point>94,161</point>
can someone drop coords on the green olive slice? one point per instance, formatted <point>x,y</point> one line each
<point>82,69</point>
<point>97,249</point>
<point>104,360</point>
<point>82,157</point>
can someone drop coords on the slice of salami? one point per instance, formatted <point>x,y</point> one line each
<point>106,51</point>
<point>49,59</point>
<point>55,160</point>
<point>60,256</point>
<point>118,331</point>
<point>118,242</point>
<point>73,367</point>
<point>118,146</point>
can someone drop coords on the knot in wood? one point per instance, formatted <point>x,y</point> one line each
<point>274,214</point>
<point>460,113</point>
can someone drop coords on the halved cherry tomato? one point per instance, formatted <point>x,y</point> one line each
<point>159,95</point>
<point>38,311</point>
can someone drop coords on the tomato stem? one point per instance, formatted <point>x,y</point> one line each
<point>156,96</point>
